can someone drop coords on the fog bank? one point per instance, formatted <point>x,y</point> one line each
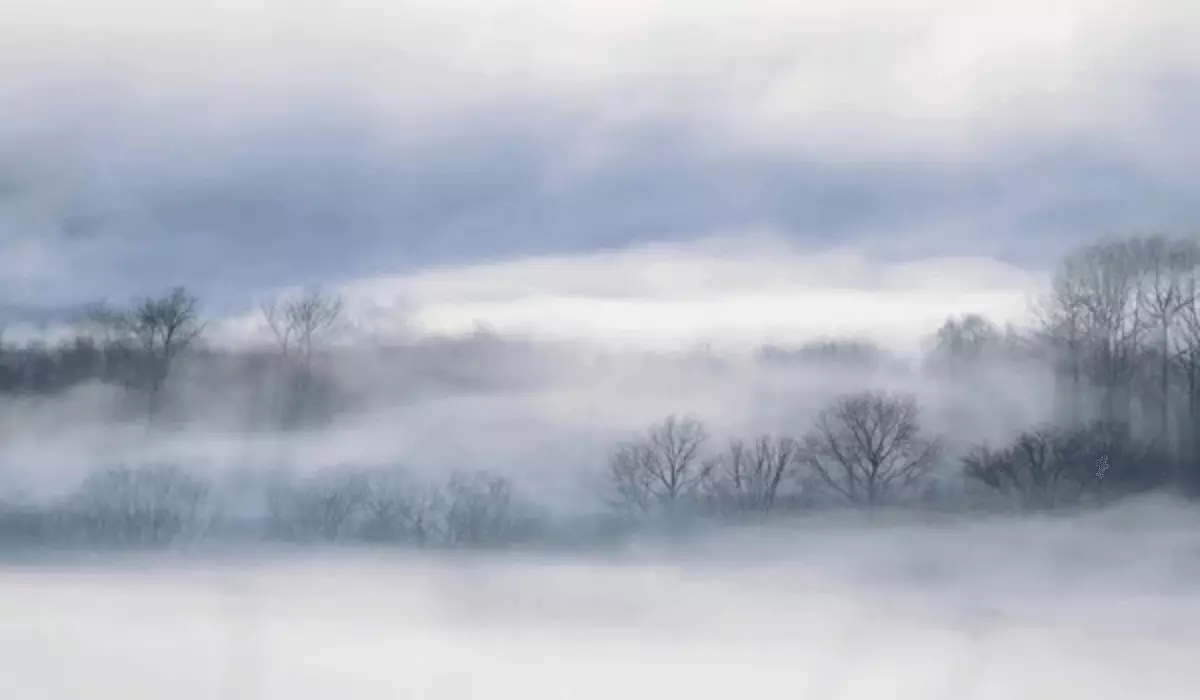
<point>1102,606</point>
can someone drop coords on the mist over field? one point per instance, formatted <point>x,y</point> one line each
<point>823,609</point>
<point>651,349</point>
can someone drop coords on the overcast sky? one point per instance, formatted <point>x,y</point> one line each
<point>650,170</point>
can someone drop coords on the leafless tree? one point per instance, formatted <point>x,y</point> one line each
<point>1037,469</point>
<point>322,506</point>
<point>868,447</point>
<point>1105,280</point>
<point>165,327</point>
<point>1048,467</point>
<point>749,477</point>
<point>482,508</point>
<point>1187,356</point>
<point>1166,264</point>
<point>145,505</point>
<point>159,329</point>
<point>400,508</point>
<point>1062,330</point>
<point>662,468</point>
<point>298,324</point>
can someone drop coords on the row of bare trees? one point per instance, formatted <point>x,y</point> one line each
<point>159,504</point>
<point>866,448</point>
<point>141,346</point>
<point>388,505</point>
<point>1118,332</point>
<point>1119,326</point>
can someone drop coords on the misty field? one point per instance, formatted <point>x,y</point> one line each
<point>1100,606</point>
<point>599,350</point>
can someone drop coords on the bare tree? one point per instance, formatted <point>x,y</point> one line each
<point>1109,274</point>
<point>399,508</point>
<point>165,327</point>
<point>1062,330</point>
<point>322,506</point>
<point>1048,467</point>
<point>1165,264</point>
<point>158,329</point>
<point>868,446</point>
<point>1187,356</point>
<point>482,508</point>
<point>662,468</point>
<point>298,324</point>
<point>152,504</point>
<point>1037,469</point>
<point>748,477</point>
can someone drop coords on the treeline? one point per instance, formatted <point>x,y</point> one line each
<point>160,504</point>
<point>866,450</point>
<point>1117,334</point>
<point>142,348</point>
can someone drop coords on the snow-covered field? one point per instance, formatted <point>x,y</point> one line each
<point>1102,607</point>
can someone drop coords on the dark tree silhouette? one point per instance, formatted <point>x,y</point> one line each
<point>868,447</point>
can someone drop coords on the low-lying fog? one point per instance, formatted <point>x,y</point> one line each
<point>1103,605</point>
<point>631,202</point>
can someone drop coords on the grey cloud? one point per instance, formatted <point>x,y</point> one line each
<point>327,192</point>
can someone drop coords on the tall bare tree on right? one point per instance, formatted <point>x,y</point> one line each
<point>1093,318</point>
<point>1187,363</point>
<point>868,447</point>
<point>1166,264</point>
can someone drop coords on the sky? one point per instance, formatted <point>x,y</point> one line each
<point>654,172</point>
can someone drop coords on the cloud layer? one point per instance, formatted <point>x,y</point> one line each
<point>733,294</point>
<point>837,80</point>
<point>242,147</point>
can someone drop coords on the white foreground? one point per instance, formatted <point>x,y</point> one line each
<point>992,613</point>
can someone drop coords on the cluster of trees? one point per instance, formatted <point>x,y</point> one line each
<point>1120,331</point>
<point>868,449</point>
<point>139,348</point>
<point>1118,334</point>
<point>388,506</point>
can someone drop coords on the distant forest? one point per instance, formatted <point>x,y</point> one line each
<point>1117,334</point>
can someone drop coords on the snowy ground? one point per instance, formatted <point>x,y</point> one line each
<point>999,611</point>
